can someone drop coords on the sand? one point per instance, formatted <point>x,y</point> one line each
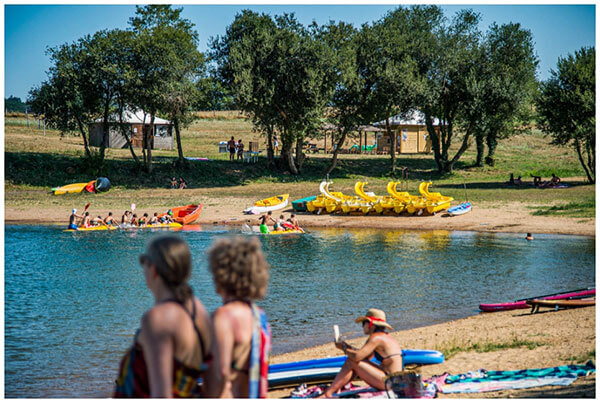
<point>562,337</point>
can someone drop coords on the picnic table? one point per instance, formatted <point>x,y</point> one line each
<point>251,156</point>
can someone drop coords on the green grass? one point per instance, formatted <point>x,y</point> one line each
<point>584,209</point>
<point>35,163</point>
<point>581,358</point>
<point>452,348</point>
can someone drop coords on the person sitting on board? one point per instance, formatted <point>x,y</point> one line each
<point>134,221</point>
<point>241,275</point>
<point>279,223</point>
<point>175,346</point>
<point>143,220</point>
<point>85,222</point>
<point>240,149</point>
<point>287,225</point>
<point>97,221</point>
<point>72,218</point>
<point>264,219</point>
<point>294,221</point>
<point>174,184</point>
<point>182,183</point>
<point>110,220</point>
<point>154,219</point>
<point>380,344</point>
<point>555,180</point>
<point>125,218</point>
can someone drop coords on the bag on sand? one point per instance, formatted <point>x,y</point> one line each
<point>405,384</point>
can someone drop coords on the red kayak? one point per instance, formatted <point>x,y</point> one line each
<point>522,304</point>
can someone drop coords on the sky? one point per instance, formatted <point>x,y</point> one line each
<point>30,29</point>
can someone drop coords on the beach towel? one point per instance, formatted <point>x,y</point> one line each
<point>259,355</point>
<point>488,381</point>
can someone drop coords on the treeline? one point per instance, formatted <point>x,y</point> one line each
<point>291,79</point>
<point>14,104</point>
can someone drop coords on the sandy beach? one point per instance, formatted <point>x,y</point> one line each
<point>557,337</point>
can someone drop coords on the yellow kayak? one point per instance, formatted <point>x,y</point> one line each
<point>287,231</point>
<point>111,228</point>
<point>72,188</point>
<point>269,204</point>
<point>96,228</point>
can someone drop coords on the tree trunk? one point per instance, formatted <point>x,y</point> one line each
<point>480,149</point>
<point>492,142</point>
<point>105,129</point>
<point>435,141</point>
<point>585,168</point>
<point>336,152</point>
<point>85,142</point>
<point>287,154</point>
<point>149,144</point>
<point>392,142</point>
<point>299,153</point>
<point>182,160</point>
<point>144,137</point>
<point>123,130</point>
<point>270,154</point>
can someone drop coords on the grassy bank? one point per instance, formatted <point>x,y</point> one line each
<point>35,163</point>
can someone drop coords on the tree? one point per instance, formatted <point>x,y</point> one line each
<point>166,63</point>
<point>507,86</point>
<point>567,104</point>
<point>450,70</point>
<point>14,104</point>
<point>390,55</point>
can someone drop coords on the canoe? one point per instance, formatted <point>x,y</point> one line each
<point>462,208</point>
<point>111,228</point>
<point>255,229</point>
<point>522,303</point>
<point>97,228</point>
<point>559,303</point>
<point>269,204</point>
<point>72,188</point>
<point>187,214</point>
<point>300,204</point>
<point>325,369</point>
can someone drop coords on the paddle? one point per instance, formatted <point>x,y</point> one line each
<point>86,207</point>
<point>557,293</point>
<point>132,207</point>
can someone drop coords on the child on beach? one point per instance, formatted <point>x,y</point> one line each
<point>175,345</point>
<point>379,344</point>
<point>241,274</point>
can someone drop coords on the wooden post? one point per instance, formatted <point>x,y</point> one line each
<point>27,116</point>
<point>44,121</point>
<point>325,145</point>
<point>366,144</point>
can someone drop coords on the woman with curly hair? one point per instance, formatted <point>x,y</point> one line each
<point>241,273</point>
<point>175,345</point>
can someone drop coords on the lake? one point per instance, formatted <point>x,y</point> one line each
<point>74,300</point>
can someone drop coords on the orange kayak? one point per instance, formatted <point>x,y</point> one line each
<point>187,214</point>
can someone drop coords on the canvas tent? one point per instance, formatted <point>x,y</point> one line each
<point>135,122</point>
<point>411,133</point>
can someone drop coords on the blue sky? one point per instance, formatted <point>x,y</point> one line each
<point>30,29</point>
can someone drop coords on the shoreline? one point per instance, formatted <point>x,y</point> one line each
<point>545,339</point>
<point>511,218</point>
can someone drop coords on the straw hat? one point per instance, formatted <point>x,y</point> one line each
<point>375,317</point>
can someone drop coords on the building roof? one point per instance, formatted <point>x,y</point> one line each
<point>134,117</point>
<point>412,118</point>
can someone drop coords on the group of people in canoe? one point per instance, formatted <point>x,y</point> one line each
<point>128,219</point>
<point>179,342</point>
<point>279,224</point>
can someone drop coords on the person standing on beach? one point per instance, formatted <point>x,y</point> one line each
<point>240,149</point>
<point>231,147</point>
<point>275,145</point>
<point>380,344</point>
<point>241,274</point>
<point>175,346</point>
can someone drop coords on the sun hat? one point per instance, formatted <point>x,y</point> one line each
<point>375,317</point>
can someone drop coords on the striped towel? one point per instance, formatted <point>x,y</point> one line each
<point>259,356</point>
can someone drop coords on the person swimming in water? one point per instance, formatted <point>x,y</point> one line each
<point>72,219</point>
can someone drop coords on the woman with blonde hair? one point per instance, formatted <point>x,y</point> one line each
<point>379,344</point>
<point>241,274</point>
<point>175,346</point>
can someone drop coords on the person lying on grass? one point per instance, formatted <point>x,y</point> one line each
<point>380,344</point>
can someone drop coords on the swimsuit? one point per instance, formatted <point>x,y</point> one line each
<point>72,226</point>
<point>133,380</point>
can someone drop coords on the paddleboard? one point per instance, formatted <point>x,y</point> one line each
<point>461,209</point>
<point>522,303</point>
<point>560,303</point>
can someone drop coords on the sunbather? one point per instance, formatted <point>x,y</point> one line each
<point>379,344</point>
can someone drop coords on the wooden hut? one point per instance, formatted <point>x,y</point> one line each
<point>411,134</point>
<point>162,139</point>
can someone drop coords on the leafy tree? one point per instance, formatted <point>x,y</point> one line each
<point>167,63</point>
<point>212,95</point>
<point>567,106</point>
<point>507,87</point>
<point>450,70</point>
<point>14,104</point>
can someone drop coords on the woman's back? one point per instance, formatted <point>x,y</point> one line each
<point>389,352</point>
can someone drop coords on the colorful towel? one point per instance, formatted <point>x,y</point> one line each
<point>488,381</point>
<point>259,356</point>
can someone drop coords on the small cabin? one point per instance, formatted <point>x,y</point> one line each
<point>411,133</point>
<point>136,124</point>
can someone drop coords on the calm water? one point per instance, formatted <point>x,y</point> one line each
<point>74,301</point>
